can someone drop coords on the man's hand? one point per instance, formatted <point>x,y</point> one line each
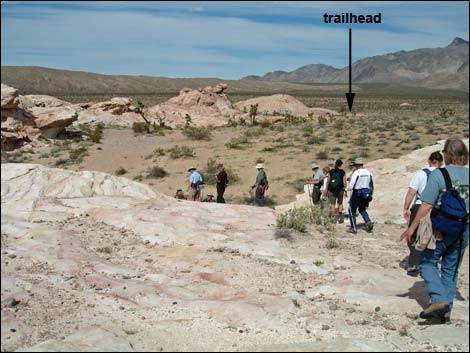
<point>406,215</point>
<point>407,234</point>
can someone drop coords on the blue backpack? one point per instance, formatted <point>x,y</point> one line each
<point>450,215</point>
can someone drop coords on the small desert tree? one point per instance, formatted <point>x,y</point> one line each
<point>253,112</point>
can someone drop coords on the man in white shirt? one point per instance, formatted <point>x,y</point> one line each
<point>415,189</point>
<point>360,186</point>
<point>195,184</point>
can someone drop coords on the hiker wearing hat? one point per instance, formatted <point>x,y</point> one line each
<point>415,189</point>
<point>209,198</point>
<point>335,189</point>
<point>261,185</point>
<point>195,184</point>
<point>222,181</point>
<point>317,182</point>
<point>361,186</point>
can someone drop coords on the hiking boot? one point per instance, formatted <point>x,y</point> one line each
<point>445,319</point>
<point>351,230</point>
<point>369,226</point>
<point>435,310</point>
<point>341,218</point>
<point>413,271</point>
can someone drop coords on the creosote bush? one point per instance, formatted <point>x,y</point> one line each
<point>181,152</point>
<point>157,172</point>
<point>197,133</point>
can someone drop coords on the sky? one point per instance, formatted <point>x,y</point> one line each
<point>227,40</point>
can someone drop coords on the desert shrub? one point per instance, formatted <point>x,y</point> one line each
<point>232,123</point>
<point>265,124</point>
<point>76,155</point>
<point>158,152</point>
<point>259,160</point>
<point>254,131</point>
<point>150,128</point>
<point>446,113</point>
<point>331,242</point>
<point>60,161</point>
<point>322,121</point>
<point>157,172</point>
<point>241,121</point>
<point>362,140</point>
<point>315,140</point>
<point>283,234</point>
<point>296,218</point>
<point>197,133</point>
<point>322,155</point>
<point>297,184</point>
<point>237,142</point>
<point>138,177</point>
<point>120,171</point>
<point>181,152</point>
<point>106,250</point>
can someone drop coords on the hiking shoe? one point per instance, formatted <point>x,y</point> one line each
<point>369,227</point>
<point>435,310</point>
<point>413,271</point>
<point>341,218</point>
<point>351,230</point>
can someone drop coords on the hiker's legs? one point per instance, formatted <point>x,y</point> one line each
<point>316,196</point>
<point>352,212</point>
<point>362,210</point>
<point>450,265</point>
<point>259,196</point>
<point>194,194</point>
<point>414,259</point>
<point>430,272</point>
<point>220,194</point>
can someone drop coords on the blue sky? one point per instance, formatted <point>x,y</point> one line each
<point>215,39</point>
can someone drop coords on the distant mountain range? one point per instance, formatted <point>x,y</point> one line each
<point>439,68</point>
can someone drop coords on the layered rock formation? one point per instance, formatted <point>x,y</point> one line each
<point>282,104</point>
<point>88,255</point>
<point>25,118</point>
<point>206,106</point>
<point>116,112</point>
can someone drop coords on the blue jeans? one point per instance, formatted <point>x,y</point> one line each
<point>444,286</point>
<point>357,202</point>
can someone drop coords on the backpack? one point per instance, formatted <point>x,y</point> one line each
<point>450,215</point>
<point>336,181</point>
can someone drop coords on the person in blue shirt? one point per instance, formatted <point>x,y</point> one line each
<point>195,184</point>
<point>450,249</point>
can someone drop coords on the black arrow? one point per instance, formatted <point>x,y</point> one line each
<point>350,95</point>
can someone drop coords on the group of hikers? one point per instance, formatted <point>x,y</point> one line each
<point>330,186</point>
<point>436,208</point>
<point>196,184</point>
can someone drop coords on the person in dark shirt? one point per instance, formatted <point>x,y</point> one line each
<point>222,182</point>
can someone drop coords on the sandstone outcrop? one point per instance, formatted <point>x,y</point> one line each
<point>25,118</point>
<point>116,112</point>
<point>281,104</point>
<point>88,255</point>
<point>206,106</point>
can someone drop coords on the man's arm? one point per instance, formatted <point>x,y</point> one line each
<point>410,196</point>
<point>424,209</point>
<point>352,182</point>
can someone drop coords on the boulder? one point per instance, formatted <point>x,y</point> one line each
<point>118,111</point>
<point>9,97</point>
<point>280,104</point>
<point>206,106</point>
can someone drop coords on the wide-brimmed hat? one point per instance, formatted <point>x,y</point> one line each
<point>192,168</point>
<point>260,166</point>
<point>315,165</point>
<point>358,161</point>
